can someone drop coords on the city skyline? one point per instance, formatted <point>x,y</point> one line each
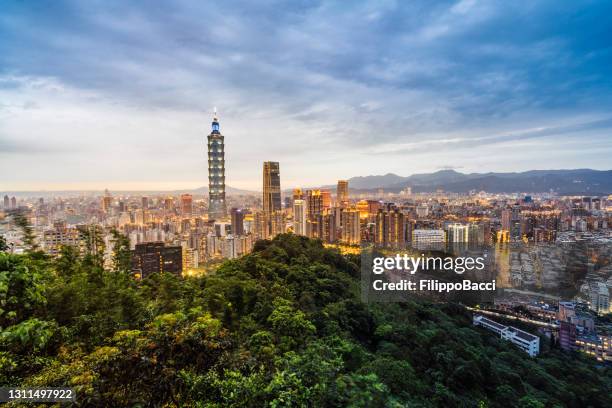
<point>101,102</point>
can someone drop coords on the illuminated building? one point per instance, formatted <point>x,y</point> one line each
<point>217,207</point>
<point>298,194</point>
<point>327,228</point>
<point>326,198</point>
<point>342,193</point>
<point>390,228</point>
<point>457,233</point>
<point>426,236</point>
<point>299,217</point>
<point>191,258</point>
<point>366,207</point>
<point>314,201</point>
<point>186,205</point>
<point>155,257</point>
<point>351,227</point>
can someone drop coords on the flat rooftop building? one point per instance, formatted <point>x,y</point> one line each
<point>524,340</point>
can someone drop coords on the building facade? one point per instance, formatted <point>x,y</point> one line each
<point>217,207</point>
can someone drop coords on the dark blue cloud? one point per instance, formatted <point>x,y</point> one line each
<point>362,73</point>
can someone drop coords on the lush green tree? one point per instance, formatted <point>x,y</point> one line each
<point>122,257</point>
<point>28,236</point>
<point>282,326</point>
<point>3,245</point>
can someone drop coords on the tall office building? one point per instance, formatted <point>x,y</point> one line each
<point>186,205</point>
<point>272,207</point>
<point>342,193</point>
<point>237,221</point>
<point>299,217</point>
<point>6,202</point>
<point>13,202</point>
<point>271,188</point>
<point>217,207</point>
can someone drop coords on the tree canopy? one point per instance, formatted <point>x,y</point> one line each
<point>282,326</point>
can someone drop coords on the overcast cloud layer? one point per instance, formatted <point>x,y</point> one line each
<point>117,94</point>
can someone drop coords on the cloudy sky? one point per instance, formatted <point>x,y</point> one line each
<point>117,94</point>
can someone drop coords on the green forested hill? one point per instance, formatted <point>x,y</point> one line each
<point>283,326</point>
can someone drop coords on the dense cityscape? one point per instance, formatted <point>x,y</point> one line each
<point>552,253</point>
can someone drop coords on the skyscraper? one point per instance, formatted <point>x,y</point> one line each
<point>342,193</point>
<point>271,196</point>
<point>217,207</point>
<point>186,205</point>
<point>6,202</point>
<point>271,188</point>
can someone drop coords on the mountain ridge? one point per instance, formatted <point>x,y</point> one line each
<point>561,181</point>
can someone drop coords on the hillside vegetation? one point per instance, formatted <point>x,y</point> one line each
<point>282,326</point>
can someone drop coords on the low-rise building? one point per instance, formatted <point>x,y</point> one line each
<point>527,342</point>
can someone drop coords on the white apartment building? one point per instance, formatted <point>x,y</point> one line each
<point>527,342</point>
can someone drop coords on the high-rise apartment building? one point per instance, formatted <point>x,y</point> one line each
<point>155,257</point>
<point>314,204</point>
<point>327,201</point>
<point>186,205</point>
<point>456,233</point>
<point>107,201</point>
<point>217,207</point>
<point>351,227</point>
<point>299,217</point>
<point>342,193</point>
<point>390,228</point>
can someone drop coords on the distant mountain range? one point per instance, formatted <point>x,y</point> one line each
<point>579,181</point>
<point>564,182</point>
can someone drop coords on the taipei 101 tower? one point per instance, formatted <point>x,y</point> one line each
<point>217,208</point>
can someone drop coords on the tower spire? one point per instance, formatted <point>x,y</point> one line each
<point>215,122</point>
